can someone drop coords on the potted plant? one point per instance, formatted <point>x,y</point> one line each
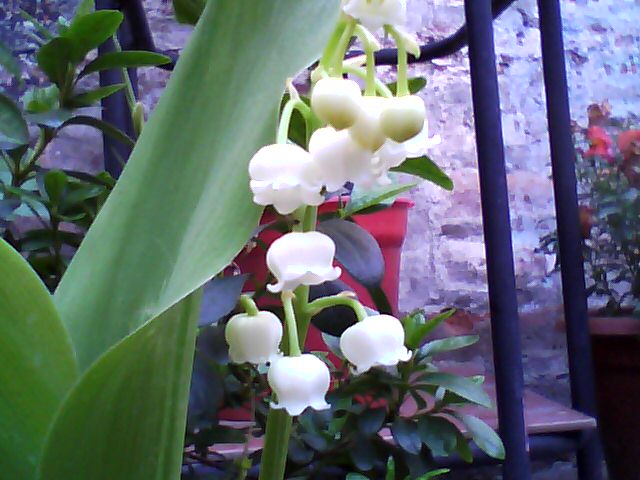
<point>608,173</point>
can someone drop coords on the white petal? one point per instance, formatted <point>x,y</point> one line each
<point>253,339</point>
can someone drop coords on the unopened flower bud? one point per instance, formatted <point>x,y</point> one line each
<point>299,382</point>
<point>374,14</point>
<point>336,101</point>
<point>403,118</point>
<point>280,176</point>
<point>301,259</point>
<point>376,340</point>
<point>253,338</point>
<point>367,131</point>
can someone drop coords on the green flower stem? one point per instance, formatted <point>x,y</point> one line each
<point>369,51</point>
<point>285,117</point>
<point>341,48</point>
<point>403,80</point>
<point>248,305</point>
<point>325,302</point>
<point>381,88</point>
<point>129,93</point>
<point>276,445</point>
<point>290,323</point>
<point>332,45</point>
<point>310,219</point>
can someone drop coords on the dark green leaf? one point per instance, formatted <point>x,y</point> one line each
<point>212,344</point>
<point>463,448</point>
<point>54,184</point>
<point>188,11</point>
<point>8,206</point>
<point>332,320</point>
<point>13,128</point>
<point>85,7</point>
<point>220,297</point>
<point>365,199</point>
<point>484,436</point>
<point>425,168</point>
<point>448,344</point>
<point>205,394</point>
<point>9,62</point>
<point>55,60</point>
<point>86,99</point>
<point>415,85</point>
<point>299,452</point>
<point>125,59</point>
<point>461,386</point>
<point>315,441</point>
<point>105,127</point>
<point>52,118</point>
<point>333,344</point>
<point>363,454</point>
<point>40,100</point>
<point>391,469</point>
<point>417,328</point>
<point>405,433</point>
<point>380,299</point>
<point>356,250</point>
<point>438,434</point>
<point>356,476</point>
<point>89,31</point>
<point>370,421</point>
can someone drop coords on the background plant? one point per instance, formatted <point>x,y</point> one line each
<point>609,195</point>
<point>63,203</point>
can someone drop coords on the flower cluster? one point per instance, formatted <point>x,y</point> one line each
<point>353,136</point>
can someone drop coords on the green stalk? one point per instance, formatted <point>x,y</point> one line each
<point>276,445</point>
<point>290,323</point>
<point>334,41</point>
<point>326,302</point>
<point>370,88</point>
<point>341,48</point>
<point>381,88</point>
<point>285,117</point>
<point>248,305</point>
<point>403,80</point>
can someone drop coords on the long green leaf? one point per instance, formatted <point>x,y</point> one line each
<point>126,59</point>
<point>37,365</point>
<point>125,418</point>
<point>182,208</point>
<point>101,125</point>
<point>89,31</point>
<point>9,62</point>
<point>425,168</point>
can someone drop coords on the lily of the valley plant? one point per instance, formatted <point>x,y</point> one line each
<point>355,137</point>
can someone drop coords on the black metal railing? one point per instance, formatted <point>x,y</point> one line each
<point>505,325</point>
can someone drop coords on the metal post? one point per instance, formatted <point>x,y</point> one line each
<point>505,328</point>
<point>569,238</point>
<point>115,109</point>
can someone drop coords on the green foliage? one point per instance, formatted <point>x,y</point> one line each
<point>37,365</point>
<point>188,11</point>
<point>13,128</point>
<point>426,169</point>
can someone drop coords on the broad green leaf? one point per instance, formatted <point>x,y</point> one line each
<point>417,327</point>
<point>55,182</point>
<point>126,416</point>
<point>448,344</point>
<point>182,208</point>
<point>52,118</point>
<point>8,61</point>
<point>356,249</point>
<point>188,11</point>
<point>438,434</point>
<point>405,433</point>
<point>86,99</point>
<point>101,125</point>
<point>85,7</point>
<point>37,365</point>
<point>13,129</point>
<point>54,59</point>
<point>126,59</point>
<point>89,31</point>
<point>464,387</point>
<point>40,100</point>
<point>361,200</point>
<point>425,168</point>
<point>485,437</point>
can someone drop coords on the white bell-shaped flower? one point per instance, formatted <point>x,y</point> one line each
<point>301,259</point>
<point>338,158</point>
<point>253,338</point>
<point>403,118</point>
<point>374,14</point>
<point>281,175</point>
<point>376,340</point>
<point>299,382</point>
<point>367,130</point>
<point>336,101</point>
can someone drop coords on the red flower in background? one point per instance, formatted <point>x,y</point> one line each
<point>600,144</point>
